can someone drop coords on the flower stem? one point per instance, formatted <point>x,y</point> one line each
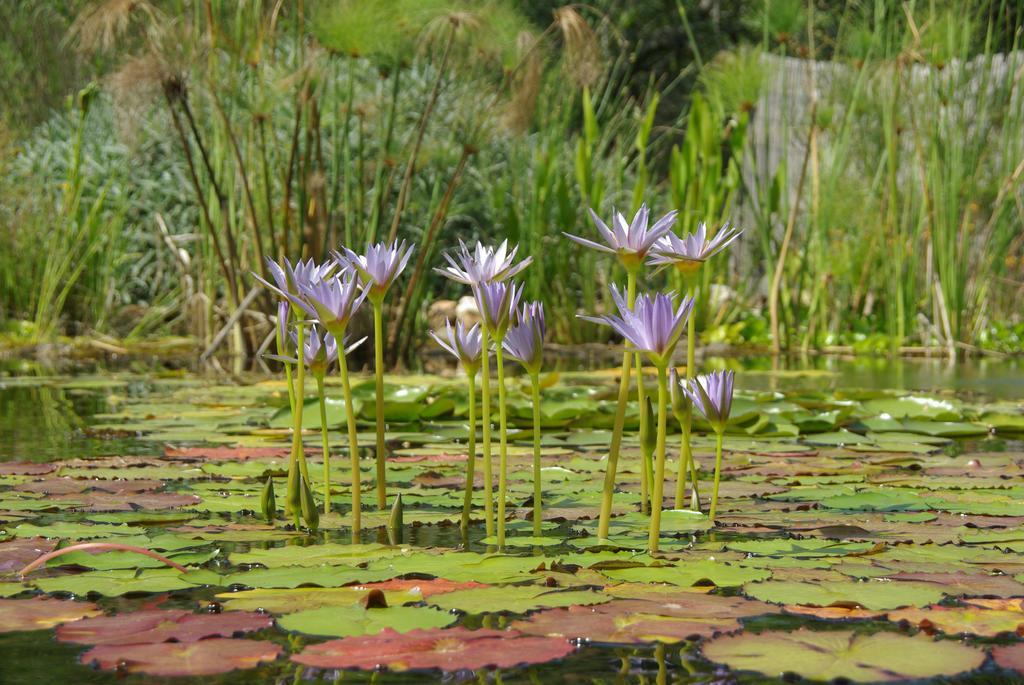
<point>378,372</point>
<point>291,405</point>
<point>353,447</point>
<point>658,486</point>
<point>686,446</point>
<point>620,422</point>
<point>467,502</point>
<point>718,474</point>
<point>537,511</point>
<point>645,466</point>
<point>298,457</point>
<point>326,447</point>
<point>485,382</point>
<point>499,361</point>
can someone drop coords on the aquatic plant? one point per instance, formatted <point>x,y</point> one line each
<point>378,269</point>
<point>466,345</point>
<point>524,343</point>
<point>336,300</point>
<point>712,396</point>
<point>630,242</point>
<point>652,326</point>
<point>286,285</point>
<point>497,302</point>
<point>472,268</point>
<point>686,255</point>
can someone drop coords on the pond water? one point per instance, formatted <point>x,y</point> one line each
<point>843,479</point>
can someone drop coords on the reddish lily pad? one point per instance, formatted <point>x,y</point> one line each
<point>167,659</point>
<point>18,553</point>
<point>64,485</point>
<point>158,625</point>
<point>126,501</point>
<point>1010,657</point>
<point>38,613</point>
<point>969,584</point>
<point>449,650</point>
<point>670,619</point>
<point>26,468</point>
<point>226,453</point>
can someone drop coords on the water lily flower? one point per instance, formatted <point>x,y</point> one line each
<point>712,396</point>
<point>289,280</point>
<point>378,267</point>
<point>334,300</point>
<point>688,253</point>
<point>318,352</point>
<point>497,302</point>
<point>484,264</point>
<point>631,241</point>
<point>465,344</point>
<point>475,268</point>
<point>524,342</point>
<point>653,326</point>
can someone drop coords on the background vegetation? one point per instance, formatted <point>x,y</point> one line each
<point>155,150</point>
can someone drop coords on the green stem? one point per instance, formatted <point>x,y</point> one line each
<point>686,446</point>
<point>467,502</point>
<point>378,372</point>
<point>298,458</point>
<point>658,486</point>
<point>499,361</point>
<point>537,511</point>
<point>291,405</point>
<point>620,422</point>
<point>485,381</point>
<point>326,447</point>
<point>645,467</point>
<point>718,474</point>
<point>353,447</point>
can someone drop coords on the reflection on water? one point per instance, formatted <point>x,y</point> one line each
<point>43,418</point>
<point>986,378</point>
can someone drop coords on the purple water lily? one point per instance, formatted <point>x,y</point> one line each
<point>483,264</point>
<point>711,394</point>
<point>379,267</point>
<point>464,344</point>
<point>497,303</point>
<point>653,326</point>
<point>334,300</point>
<point>524,342</point>
<point>289,280</point>
<point>630,242</point>
<point>284,309</point>
<point>688,253</point>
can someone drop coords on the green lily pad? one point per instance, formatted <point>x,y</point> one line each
<point>824,656</point>
<point>348,621</point>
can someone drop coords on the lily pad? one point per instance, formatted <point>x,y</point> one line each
<point>159,625</point>
<point>865,595</point>
<point>348,621</point>
<point>880,657</point>
<point>38,613</point>
<point>175,659</point>
<point>448,650</point>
